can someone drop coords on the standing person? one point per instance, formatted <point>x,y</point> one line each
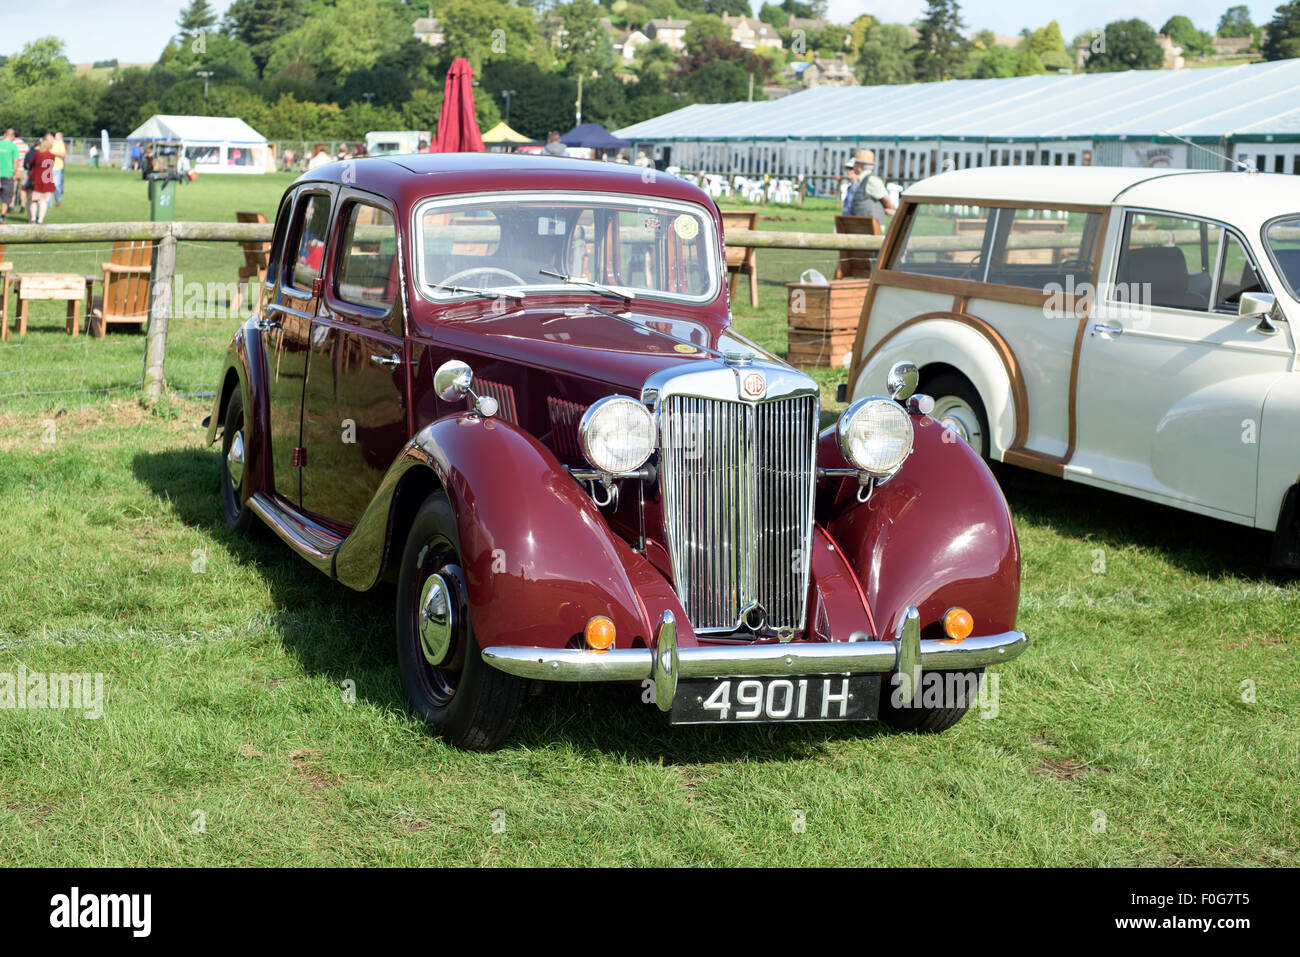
<point>319,158</point>
<point>94,156</point>
<point>20,171</point>
<point>28,176</point>
<point>41,180</point>
<point>60,151</point>
<point>135,156</point>
<point>850,184</point>
<point>870,198</point>
<point>8,164</point>
<point>554,146</point>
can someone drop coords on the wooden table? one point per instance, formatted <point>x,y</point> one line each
<point>48,286</point>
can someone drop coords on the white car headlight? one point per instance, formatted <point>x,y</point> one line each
<point>617,434</point>
<point>875,435</point>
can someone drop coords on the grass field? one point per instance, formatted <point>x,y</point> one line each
<point>252,712</point>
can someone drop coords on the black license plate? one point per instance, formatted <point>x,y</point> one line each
<point>772,699</point>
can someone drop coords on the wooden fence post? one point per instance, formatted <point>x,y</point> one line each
<point>160,308</point>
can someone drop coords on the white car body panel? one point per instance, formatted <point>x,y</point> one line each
<point>1186,407</point>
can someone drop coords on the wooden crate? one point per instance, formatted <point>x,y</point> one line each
<point>822,320</point>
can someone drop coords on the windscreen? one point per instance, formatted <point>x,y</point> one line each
<point>522,244</point>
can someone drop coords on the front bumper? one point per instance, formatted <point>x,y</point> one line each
<point>666,662</point>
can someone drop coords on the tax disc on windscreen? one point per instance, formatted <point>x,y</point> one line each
<point>686,227</point>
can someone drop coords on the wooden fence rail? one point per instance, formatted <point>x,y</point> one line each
<point>167,235</point>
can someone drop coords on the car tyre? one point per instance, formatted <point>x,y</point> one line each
<point>234,452</point>
<point>462,697</point>
<point>958,406</point>
<point>925,719</point>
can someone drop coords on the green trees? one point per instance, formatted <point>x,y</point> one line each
<point>1235,22</point>
<point>1283,33</point>
<point>941,48</point>
<point>1181,30</point>
<point>883,57</point>
<point>1128,45</point>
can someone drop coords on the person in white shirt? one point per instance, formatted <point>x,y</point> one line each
<point>319,157</point>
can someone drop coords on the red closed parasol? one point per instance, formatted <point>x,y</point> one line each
<point>457,127</point>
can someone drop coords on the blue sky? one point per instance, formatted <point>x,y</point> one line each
<point>135,32</point>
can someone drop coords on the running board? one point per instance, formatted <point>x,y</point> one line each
<point>313,542</point>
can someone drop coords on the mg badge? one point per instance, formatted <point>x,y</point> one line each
<point>754,385</point>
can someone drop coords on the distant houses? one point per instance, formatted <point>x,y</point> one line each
<point>752,33</point>
<point>671,33</point>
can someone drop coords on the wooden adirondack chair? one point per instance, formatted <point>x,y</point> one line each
<point>854,263</point>
<point>742,259</point>
<point>257,257</point>
<point>124,297</point>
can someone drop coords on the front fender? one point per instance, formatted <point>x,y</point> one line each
<point>538,557</point>
<point>937,534</point>
<point>947,341</point>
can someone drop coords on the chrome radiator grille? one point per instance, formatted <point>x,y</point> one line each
<point>737,485</point>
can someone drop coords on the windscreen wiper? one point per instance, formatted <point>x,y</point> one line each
<point>474,291</point>
<point>619,293</point>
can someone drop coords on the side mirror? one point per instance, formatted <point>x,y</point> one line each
<point>902,380</point>
<point>1262,304</point>
<point>455,380</point>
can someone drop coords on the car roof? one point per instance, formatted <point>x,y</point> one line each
<point>1241,198</point>
<point>1085,185</point>
<point>416,175</point>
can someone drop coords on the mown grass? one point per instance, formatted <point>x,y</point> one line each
<point>229,668</point>
<point>226,665</point>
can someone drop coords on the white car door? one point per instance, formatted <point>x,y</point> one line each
<point>1171,381</point>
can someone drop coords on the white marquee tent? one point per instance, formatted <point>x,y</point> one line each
<point>213,144</point>
<point>1234,114</point>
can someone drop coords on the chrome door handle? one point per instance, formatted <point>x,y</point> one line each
<point>268,324</point>
<point>385,360</point>
<point>1110,330</point>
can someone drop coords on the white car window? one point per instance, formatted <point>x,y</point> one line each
<point>1167,261</point>
<point>1283,240</point>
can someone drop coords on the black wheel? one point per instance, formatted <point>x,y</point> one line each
<point>234,475</point>
<point>958,692</point>
<point>957,406</point>
<point>448,684</point>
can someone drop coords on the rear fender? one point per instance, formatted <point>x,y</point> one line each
<point>937,534</point>
<point>244,364</point>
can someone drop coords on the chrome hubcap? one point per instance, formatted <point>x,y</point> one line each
<point>235,460</point>
<point>438,620</point>
<point>952,413</point>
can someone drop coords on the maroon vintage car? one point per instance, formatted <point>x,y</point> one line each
<point>508,384</point>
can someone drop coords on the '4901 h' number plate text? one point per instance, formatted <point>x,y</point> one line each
<point>755,700</point>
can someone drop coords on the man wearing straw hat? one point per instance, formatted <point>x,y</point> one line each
<point>870,198</point>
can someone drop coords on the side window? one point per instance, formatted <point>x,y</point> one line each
<point>367,262</point>
<point>1035,248</point>
<point>307,252</point>
<point>1236,275</point>
<point>1167,261</point>
<point>277,241</point>
<point>944,240</point>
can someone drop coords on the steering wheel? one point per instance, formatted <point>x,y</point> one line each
<point>475,270</point>
<point>1076,262</point>
<point>973,266</point>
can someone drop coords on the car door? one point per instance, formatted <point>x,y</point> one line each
<point>355,418</point>
<point>286,331</point>
<point>1171,381</point>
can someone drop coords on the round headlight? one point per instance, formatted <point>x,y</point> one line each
<point>617,434</point>
<point>875,435</point>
